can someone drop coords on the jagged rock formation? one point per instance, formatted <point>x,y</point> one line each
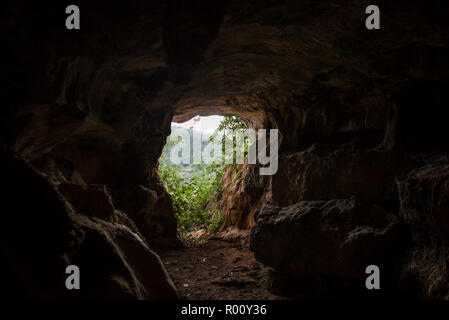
<point>91,110</point>
<point>424,207</point>
<point>52,226</point>
<point>335,239</point>
<point>244,192</point>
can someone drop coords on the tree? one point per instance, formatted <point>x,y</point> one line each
<point>191,195</point>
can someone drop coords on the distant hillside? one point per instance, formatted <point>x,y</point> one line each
<point>187,170</point>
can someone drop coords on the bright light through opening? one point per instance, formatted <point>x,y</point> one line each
<point>205,124</point>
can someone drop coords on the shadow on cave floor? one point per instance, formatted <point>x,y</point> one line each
<point>217,268</point>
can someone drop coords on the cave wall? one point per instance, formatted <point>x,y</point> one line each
<point>52,223</point>
<point>356,109</point>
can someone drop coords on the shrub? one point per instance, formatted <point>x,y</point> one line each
<point>191,194</point>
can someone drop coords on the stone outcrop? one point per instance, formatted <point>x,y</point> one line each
<point>51,227</point>
<point>325,172</point>
<point>424,196</point>
<point>243,193</point>
<point>334,239</point>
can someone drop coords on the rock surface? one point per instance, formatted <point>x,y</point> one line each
<point>424,195</point>
<point>336,238</point>
<point>49,230</point>
<point>325,172</point>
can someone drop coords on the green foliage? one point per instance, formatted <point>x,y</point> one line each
<point>192,195</point>
<point>215,222</point>
<point>225,131</point>
<point>230,123</point>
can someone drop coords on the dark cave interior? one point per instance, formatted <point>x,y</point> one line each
<point>363,172</point>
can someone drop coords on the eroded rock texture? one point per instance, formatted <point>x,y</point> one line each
<point>91,109</point>
<point>52,226</point>
<point>424,195</point>
<point>331,240</point>
<point>335,237</point>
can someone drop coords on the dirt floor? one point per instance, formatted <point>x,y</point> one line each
<point>219,267</point>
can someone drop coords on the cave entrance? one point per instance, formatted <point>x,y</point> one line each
<point>199,157</point>
<point>210,265</point>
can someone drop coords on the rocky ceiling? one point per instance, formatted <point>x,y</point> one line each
<point>94,106</point>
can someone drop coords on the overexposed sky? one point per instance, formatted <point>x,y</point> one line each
<point>206,124</point>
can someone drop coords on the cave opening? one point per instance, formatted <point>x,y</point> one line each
<point>201,160</point>
<point>213,220</point>
<point>363,174</point>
